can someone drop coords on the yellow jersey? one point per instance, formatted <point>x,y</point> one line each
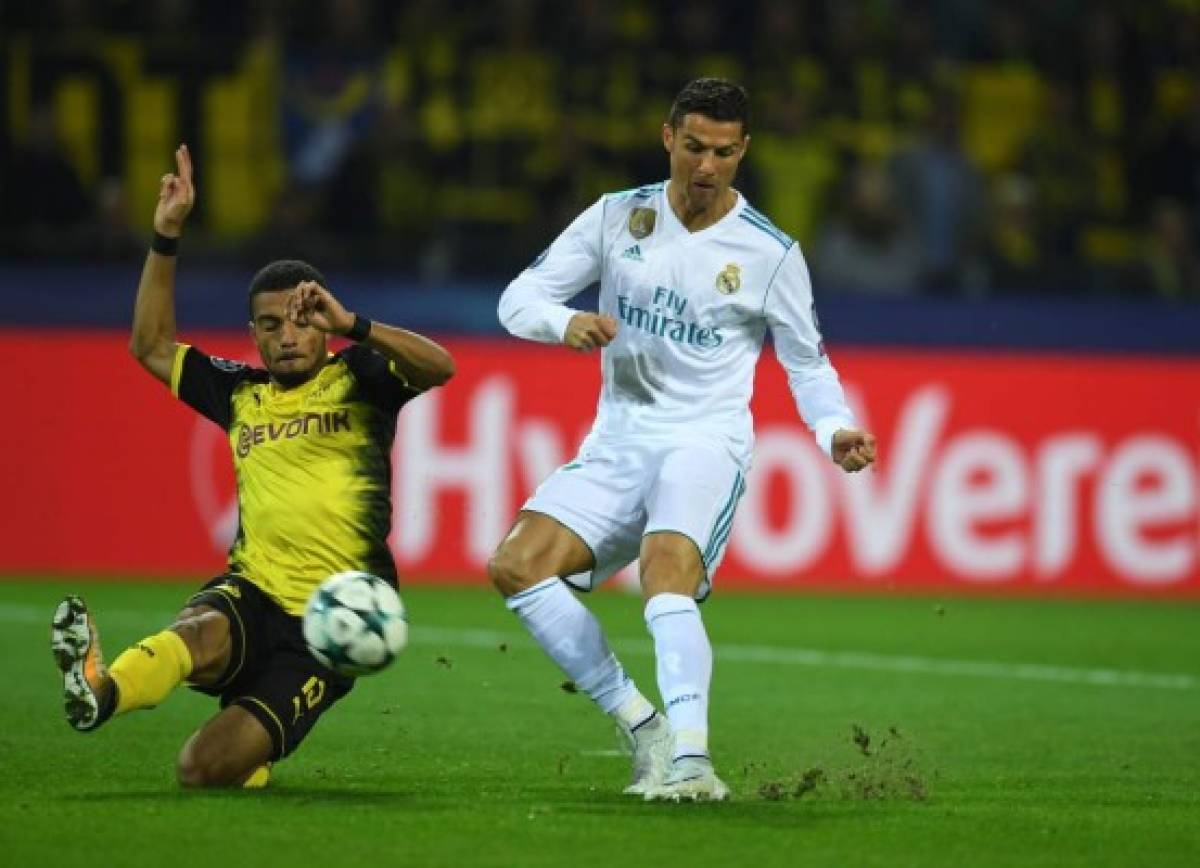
<point>313,465</point>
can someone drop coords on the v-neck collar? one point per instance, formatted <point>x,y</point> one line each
<point>299,394</point>
<point>688,234</point>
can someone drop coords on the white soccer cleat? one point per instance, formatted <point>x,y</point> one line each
<point>651,743</point>
<point>691,779</point>
<point>89,696</point>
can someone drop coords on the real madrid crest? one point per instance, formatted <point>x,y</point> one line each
<point>641,222</point>
<point>729,280</point>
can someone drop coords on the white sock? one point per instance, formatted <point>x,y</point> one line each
<point>684,658</point>
<point>571,636</point>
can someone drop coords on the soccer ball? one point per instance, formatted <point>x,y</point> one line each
<point>355,623</point>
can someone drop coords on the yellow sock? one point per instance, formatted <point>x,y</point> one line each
<point>258,778</point>
<point>149,670</point>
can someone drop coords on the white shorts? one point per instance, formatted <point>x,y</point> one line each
<point>613,494</point>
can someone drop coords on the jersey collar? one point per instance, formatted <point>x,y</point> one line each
<point>678,228</point>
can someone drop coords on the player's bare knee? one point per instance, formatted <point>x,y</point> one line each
<point>670,575</point>
<point>197,767</point>
<point>504,571</point>
<point>667,567</point>
<point>189,771</point>
<point>670,564</point>
<point>511,570</point>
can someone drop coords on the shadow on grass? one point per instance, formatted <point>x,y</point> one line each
<point>340,797</point>
<point>742,810</point>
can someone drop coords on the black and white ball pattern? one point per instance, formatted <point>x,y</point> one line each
<point>355,623</point>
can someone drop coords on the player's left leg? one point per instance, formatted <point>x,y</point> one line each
<point>672,572</point>
<point>144,674</point>
<point>89,695</point>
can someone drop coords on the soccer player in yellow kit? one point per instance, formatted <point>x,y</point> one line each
<point>311,436</point>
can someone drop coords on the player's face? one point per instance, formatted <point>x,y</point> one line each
<point>292,353</point>
<point>704,157</point>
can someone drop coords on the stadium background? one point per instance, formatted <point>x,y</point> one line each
<point>999,203</point>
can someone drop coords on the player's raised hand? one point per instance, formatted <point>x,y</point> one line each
<point>314,305</point>
<point>586,331</point>
<point>176,196</point>
<point>853,449</point>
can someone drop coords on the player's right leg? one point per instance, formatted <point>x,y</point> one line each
<point>142,676</point>
<point>526,569</point>
<point>233,749</point>
<point>272,691</point>
<point>672,572</point>
<point>691,508</point>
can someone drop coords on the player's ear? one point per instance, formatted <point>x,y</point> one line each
<point>668,137</point>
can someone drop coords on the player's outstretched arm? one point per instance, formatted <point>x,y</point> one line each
<point>423,363</point>
<point>153,340</point>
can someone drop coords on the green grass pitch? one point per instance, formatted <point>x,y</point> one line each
<point>853,731</point>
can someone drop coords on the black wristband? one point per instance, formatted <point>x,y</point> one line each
<point>360,330</point>
<point>164,245</point>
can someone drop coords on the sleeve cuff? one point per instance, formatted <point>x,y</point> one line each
<point>177,367</point>
<point>826,428</point>
<point>559,319</point>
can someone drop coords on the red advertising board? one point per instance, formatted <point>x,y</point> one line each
<point>998,471</point>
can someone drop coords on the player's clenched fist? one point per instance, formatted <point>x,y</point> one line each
<point>853,449</point>
<point>586,331</point>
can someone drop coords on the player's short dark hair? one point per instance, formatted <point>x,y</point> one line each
<point>283,274</point>
<point>715,98</point>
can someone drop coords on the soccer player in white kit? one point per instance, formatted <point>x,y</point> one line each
<point>691,280</point>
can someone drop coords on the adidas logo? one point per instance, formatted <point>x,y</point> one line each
<point>634,253</point>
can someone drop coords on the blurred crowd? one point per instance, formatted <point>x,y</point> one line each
<point>961,147</point>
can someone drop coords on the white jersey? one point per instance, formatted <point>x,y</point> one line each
<point>693,309</point>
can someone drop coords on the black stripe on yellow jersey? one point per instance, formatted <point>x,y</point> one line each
<point>313,465</point>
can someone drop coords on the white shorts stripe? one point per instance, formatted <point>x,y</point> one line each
<point>724,522</point>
